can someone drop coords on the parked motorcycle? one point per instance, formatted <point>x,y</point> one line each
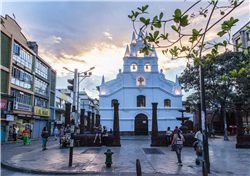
<point>199,151</point>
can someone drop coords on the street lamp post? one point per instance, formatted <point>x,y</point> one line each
<point>86,74</point>
<point>77,81</point>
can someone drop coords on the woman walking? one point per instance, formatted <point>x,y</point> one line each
<point>45,136</point>
<point>98,133</point>
<point>178,145</point>
<point>26,136</point>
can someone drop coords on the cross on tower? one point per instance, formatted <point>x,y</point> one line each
<point>141,80</point>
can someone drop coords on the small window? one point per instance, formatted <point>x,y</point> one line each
<point>141,101</point>
<point>167,103</point>
<point>133,67</point>
<point>113,101</point>
<point>147,67</point>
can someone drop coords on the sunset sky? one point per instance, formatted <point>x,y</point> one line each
<point>83,34</point>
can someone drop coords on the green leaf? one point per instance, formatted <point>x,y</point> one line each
<point>221,33</point>
<point>130,16</point>
<point>197,61</point>
<point>177,13</point>
<point>248,27</point>
<point>156,34</point>
<point>139,8</point>
<point>161,15</point>
<point>242,70</point>
<point>225,42</point>
<point>145,7</point>
<point>143,20</point>
<point>155,19</point>
<point>222,13</point>
<point>239,45</point>
<point>174,28</point>
<point>234,72</point>
<point>152,28</point>
<point>245,51</point>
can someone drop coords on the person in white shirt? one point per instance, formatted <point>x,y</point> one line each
<point>198,135</point>
<point>168,134</point>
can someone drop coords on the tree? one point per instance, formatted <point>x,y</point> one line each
<point>196,38</point>
<point>222,89</point>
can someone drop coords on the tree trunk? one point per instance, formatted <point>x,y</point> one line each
<point>211,122</point>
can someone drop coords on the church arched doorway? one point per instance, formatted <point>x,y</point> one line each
<point>141,124</point>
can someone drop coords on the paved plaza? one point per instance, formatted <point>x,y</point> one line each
<point>225,159</point>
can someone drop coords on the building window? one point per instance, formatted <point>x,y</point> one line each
<point>133,67</point>
<point>147,67</point>
<point>167,103</point>
<point>41,87</point>
<point>248,37</point>
<point>40,102</point>
<point>58,102</point>
<point>21,78</point>
<point>113,101</point>
<point>63,105</point>
<point>20,97</point>
<point>141,101</point>
<point>41,69</point>
<point>52,99</point>
<point>22,56</point>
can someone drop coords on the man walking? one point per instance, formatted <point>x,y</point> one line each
<point>56,133</point>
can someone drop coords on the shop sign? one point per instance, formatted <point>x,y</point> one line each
<point>36,117</point>
<point>41,111</point>
<point>3,104</point>
<point>10,118</point>
<point>23,107</point>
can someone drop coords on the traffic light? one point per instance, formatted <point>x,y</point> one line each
<point>71,81</point>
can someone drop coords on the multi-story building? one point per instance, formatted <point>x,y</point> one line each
<point>60,107</point>
<point>26,79</point>
<point>89,104</point>
<point>242,36</point>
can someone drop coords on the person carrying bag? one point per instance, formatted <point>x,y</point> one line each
<point>178,145</point>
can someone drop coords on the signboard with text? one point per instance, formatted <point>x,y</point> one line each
<point>3,104</point>
<point>23,107</point>
<point>41,111</point>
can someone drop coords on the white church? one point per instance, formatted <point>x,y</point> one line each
<point>135,89</point>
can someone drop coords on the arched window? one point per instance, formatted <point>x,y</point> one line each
<point>133,67</point>
<point>167,103</point>
<point>147,67</point>
<point>113,101</point>
<point>141,101</point>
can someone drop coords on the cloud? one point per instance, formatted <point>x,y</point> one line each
<point>108,35</point>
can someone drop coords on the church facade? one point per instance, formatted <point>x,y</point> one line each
<point>135,89</point>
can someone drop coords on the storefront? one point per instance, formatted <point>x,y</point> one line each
<point>20,122</point>
<point>41,120</point>
<point>6,116</point>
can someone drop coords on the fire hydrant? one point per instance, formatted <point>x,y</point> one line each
<point>108,158</point>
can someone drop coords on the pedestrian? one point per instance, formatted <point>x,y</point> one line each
<point>26,135</point>
<point>67,130</point>
<point>61,132</point>
<point>175,130</point>
<point>98,133</point>
<point>45,136</point>
<point>111,132</point>
<point>14,133</point>
<point>56,133</point>
<point>104,135</point>
<point>178,145</point>
<point>168,134</point>
<point>212,132</point>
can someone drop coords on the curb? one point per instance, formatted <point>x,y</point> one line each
<point>36,171</point>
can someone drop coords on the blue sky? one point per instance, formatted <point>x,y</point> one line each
<point>83,34</point>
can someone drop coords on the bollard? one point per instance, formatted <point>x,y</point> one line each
<point>138,167</point>
<point>108,158</point>
<point>204,168</point>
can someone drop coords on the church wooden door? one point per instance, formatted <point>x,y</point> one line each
<point>141,124</point>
